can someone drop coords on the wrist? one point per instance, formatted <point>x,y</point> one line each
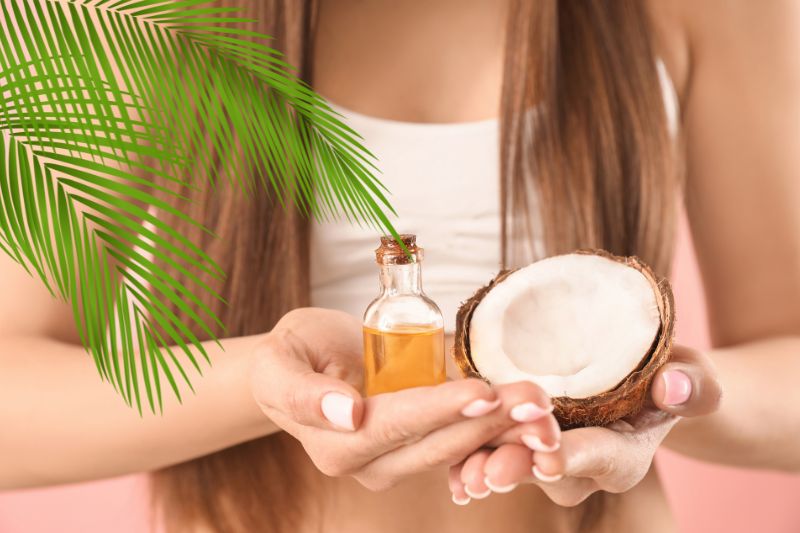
<point>244,352</point>
<point>253,360</point>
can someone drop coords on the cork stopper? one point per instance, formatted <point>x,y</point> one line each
<point>390,252</point>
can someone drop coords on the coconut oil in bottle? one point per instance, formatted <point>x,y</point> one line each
<point>403,328</point>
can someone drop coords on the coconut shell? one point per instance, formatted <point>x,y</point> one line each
<point>627,397</point>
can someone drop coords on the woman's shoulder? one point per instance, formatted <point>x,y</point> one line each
<point>687,32</point>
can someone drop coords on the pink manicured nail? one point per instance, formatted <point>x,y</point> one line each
<point>677,387</point>
<point>497,488</point>
<point>529,411</point>
<point>338,409</point>
<point>535,443</point>
<point>461,501</point>
<point>479,408</point>
<point>541,476</point>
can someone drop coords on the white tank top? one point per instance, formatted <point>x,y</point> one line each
<point>444,184</point>
<point>444,181</point>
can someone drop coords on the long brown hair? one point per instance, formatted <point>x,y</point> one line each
<point>587,161</point>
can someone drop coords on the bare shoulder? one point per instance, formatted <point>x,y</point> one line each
<point>713,19</point>
<point>741,33</point>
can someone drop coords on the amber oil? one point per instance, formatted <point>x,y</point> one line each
<point>407,356</point>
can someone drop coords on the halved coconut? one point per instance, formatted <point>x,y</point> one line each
<point>589,327</point>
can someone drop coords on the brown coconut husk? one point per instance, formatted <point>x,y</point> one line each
<point>628,396</point>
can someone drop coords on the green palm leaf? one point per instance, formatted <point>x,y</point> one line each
<point>95,94</point>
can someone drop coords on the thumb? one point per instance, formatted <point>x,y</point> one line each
<point>688,386</point>
<point>288,389</point>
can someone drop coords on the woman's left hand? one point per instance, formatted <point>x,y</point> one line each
<point>612,458</point>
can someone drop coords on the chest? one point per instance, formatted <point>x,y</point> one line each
<point>412,61</point>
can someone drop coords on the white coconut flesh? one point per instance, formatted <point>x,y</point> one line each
<point>574,324</point>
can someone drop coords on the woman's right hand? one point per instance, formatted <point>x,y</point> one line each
<point>306,379</point>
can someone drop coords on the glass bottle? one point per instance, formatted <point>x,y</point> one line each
<point>403,328</point>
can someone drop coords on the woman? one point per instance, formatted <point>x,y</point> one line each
<point>585,76</point>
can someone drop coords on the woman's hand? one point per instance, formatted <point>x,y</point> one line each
<point>613,458</point>
<point>307,378</point>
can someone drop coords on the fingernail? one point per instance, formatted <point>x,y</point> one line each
<point>677,387</point>
<point>479,408</point>
<point>529,411</point>
<point>461,501</point>
<point>535,443</point>
<point>477,496</point>
<point>497,488</point>
<point>338,409</point>
<point>541,476</point>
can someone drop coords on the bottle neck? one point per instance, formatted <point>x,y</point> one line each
<point>401,279</point>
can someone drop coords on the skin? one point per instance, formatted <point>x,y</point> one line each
<point>736,70</point>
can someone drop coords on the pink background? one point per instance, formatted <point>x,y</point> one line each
<point>705,498</point>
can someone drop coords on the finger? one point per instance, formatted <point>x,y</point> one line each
<point>286,382</point>
<point>459,495</point>
<point>688,385</point>
<point>399,418</point>
<point>452,443</point>
<point>512,464</point>
<point>542,435</point>
<point>550,467</point>
<point>395,420</point>
<point>508,466</point>
<point>472,475</point>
